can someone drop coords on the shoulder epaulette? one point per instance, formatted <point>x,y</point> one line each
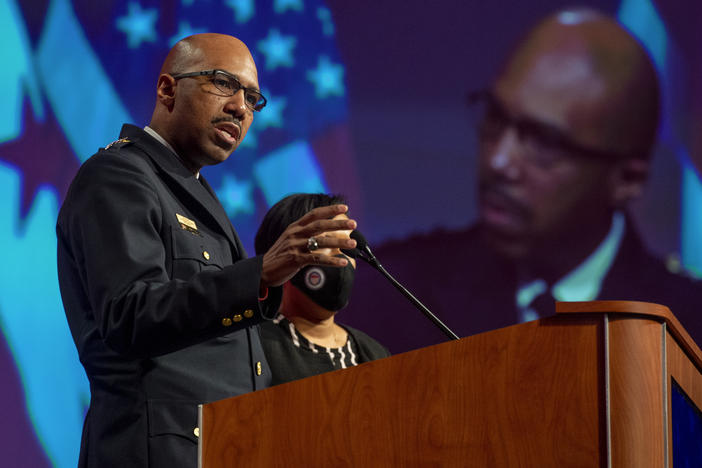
<point>118,143</point>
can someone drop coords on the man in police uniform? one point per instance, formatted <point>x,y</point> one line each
<point>159,295</point>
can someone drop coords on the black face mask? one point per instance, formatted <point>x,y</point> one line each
<point>329,287</point>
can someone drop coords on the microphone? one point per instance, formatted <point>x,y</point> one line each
<point>362,249</point>
<point>364,252</point>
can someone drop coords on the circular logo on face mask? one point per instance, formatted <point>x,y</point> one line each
<point>314,278</point>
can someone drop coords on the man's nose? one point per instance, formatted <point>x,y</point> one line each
<point>504,157</point>
<point>236,104</point>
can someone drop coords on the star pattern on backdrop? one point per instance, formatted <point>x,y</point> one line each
<point>277,50</point>
<point>272,114</point>
<point>281,6</point>
<point>251,139</point>
<point>243,9</point>
<point>324,16</point>
<point>139,25</point>
<point>184,30</point>
<point>236,196</point>
<point>58,165</point>
<point>327,77</point>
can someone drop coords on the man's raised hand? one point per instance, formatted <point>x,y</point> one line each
<point>300,243</point>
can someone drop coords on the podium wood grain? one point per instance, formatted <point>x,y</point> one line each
<point>521,396</point>
<point>587,387</point>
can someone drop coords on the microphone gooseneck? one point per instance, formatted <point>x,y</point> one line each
<point>364,252</point>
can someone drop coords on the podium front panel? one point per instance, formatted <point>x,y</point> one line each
<point>526,395</point>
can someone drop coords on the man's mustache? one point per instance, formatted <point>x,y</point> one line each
<point>501,196</point>
<point>236,122</point>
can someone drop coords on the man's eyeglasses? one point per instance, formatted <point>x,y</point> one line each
<point>229,85</point>
<point>543,144</point>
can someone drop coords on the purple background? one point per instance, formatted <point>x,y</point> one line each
<point>409,65</point>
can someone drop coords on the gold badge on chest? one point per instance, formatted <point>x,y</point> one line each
<point>187,223</point>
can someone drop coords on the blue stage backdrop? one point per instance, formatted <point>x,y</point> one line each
<point>77,71</point>
<point>348,86</point>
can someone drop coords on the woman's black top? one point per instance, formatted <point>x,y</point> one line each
<point>291,356</point>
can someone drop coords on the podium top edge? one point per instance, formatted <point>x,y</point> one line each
<point>623,307</point>
<point>637,308</point>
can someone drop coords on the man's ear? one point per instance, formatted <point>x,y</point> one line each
<point>628,180</point>
<point>166,90</point>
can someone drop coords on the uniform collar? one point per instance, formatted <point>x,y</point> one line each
<point>584,282</point>
<point>163,141</point>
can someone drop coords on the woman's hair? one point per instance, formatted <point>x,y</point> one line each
<point>287,211</point>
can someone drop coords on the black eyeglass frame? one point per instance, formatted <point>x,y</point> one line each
<point>247,91</point>
<point>551,136</point>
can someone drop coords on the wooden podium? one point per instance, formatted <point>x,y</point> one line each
<point>590,386</point>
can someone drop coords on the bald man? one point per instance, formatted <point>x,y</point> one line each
<point>159,295</point>
<point>564,145</point>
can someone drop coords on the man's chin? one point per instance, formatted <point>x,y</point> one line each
<point>506,244</point>
<point>218,155</point>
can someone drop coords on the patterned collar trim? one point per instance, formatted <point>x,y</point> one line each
<point>299,339</point>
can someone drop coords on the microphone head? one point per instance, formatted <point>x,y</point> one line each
<point>362,246</point>
<point>361,242</point>
<point>362,249</point>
